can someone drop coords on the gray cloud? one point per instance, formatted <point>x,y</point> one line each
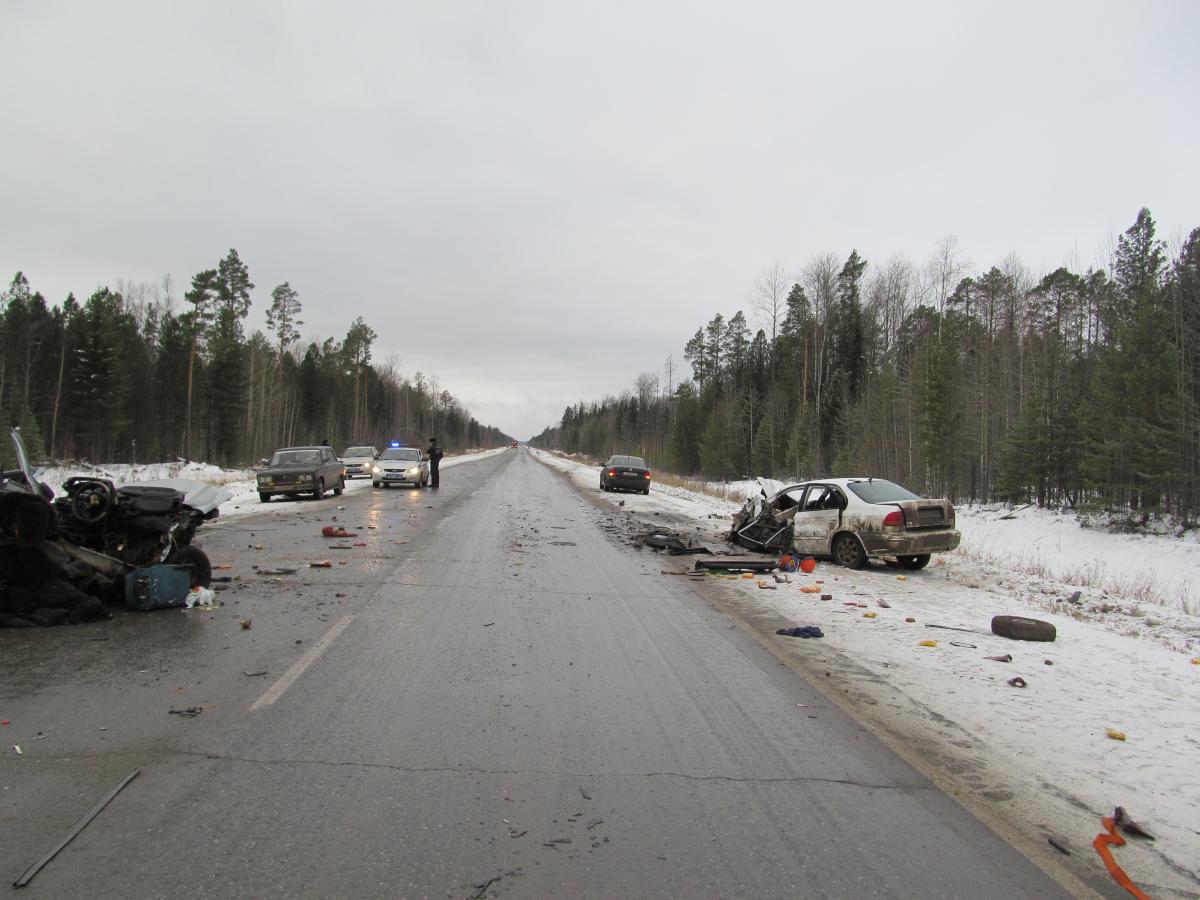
<point>536,202</point>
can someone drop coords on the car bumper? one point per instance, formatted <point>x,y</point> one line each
<point>628,484</point>
<point>294,487</point>
<point>396,478</point>
<point>356,471</point>
<point>911,543</point>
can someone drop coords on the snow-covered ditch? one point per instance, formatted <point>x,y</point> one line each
<point>1126,658</point>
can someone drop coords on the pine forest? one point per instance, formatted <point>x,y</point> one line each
<point>1070,389</point>
<point>132,375</point>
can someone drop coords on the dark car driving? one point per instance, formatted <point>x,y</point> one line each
<point>301,470</point>
<point>626,473</point>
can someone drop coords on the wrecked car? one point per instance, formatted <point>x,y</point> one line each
<point>849,520</point>
<point>61,557</point>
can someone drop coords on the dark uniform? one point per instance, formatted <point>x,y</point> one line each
<point>435,456</point>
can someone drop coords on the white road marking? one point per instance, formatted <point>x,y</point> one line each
<point>275,691</point>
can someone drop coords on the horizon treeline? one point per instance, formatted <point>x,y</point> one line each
<point>130,375</point>
<point>1067,389</point>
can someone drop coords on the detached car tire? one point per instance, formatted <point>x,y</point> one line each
<point>195,561</point>
<point>1018,628</point>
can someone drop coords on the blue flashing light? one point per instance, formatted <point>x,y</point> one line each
<point>394,444</point>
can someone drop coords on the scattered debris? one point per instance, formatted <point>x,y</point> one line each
<point>585,794</point>
<point>1102,842</point>
<point>1019,628</point>
<point>17,750</point>
<point>952,628</point>
<point>323,564</point>
<point>883,603</point>
<point>788,563</point>
<point>829,597</point>
<point>255,673</point>
<point>1126,824</point>
<point>246,623</point>
<point>802,631</point>
<point>736,563</point>
<point>1047,662</point>
<point>808,565</point>
<point>200,596</point>
<point>810,589</point>
<point>190,713</point>
<point>782,579</point>
<point>282,570</point>
<point>869,615</point>
<point>1007,657</point>
<point>28,874</point>
<point>1017,681</point>
<point>767,586</point>
<point>1114,734</point>
<point>902,578</point>
<point>337,531</point>
<point>963,644</point>
<point>926,643</point>
<point>1060,847</point>
<point>909,619</point>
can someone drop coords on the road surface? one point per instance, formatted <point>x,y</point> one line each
<point>492,698</point>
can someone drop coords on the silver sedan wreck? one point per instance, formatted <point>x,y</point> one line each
<point>848,519</point>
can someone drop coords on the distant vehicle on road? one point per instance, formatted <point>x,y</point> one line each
<point>626,473</point>
<point>514,443</point>
<point>359,460</point>
<point>401,465</point>
<point>849,519</point>
<point>301,470</point>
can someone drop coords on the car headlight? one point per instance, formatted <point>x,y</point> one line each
<point>265,479</point>
<point>304,478</point>
<point>415,470</point>
<point>375,470</point>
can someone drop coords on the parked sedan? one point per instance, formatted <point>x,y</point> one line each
<point>627,473</point>
<point>401,465</point>
<point>850,520</point>
<point>359,460</point>
<point>301,470</point>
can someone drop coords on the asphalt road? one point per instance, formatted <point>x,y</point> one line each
<point>491,698</point>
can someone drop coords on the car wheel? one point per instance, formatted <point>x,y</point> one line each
<point>914,563</point>
<point>319,491</point>
<point>646,492</point>
<point>337,491</point>
<point>264,497</point>
<point>374,484</point>
<point>195,562</point>
<point>1018,628</point>
<point>848,552</point>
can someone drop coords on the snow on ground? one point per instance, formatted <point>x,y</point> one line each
<point>1041,755</point>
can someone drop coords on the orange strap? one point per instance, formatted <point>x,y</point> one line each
<point>1101,844</point>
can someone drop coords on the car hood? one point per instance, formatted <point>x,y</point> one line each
<point>397,463</point>
<point>290,470</point>
<point>199,495</point>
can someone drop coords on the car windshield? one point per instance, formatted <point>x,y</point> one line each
<point>400,453</point>
<point>632,461</point>
<point>296,457</point>
<point>880,491</point>
<point>359,451</point>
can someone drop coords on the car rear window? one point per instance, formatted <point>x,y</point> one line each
<point>880,491</point>
<point>635,462</point>
<point>400,453</point>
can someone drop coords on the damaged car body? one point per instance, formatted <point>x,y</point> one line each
<point>849,520</point>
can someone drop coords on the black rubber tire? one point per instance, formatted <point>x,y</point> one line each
<point>195,561</point>
<point>602,485</point>
<point>319,490</point>
<point>1019,628</point>
<point>337,491</point>
<point>646,492</point>
<point>914,563</point>
<point>264,498</point>
<point>848,552</point>
<point>374,484</point>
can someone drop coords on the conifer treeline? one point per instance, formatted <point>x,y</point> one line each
<point>1072,389</point>
<point>131,375</point>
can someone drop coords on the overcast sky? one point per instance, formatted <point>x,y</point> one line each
<point>536,202</point>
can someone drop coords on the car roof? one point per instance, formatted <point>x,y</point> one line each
<point>314,447</point>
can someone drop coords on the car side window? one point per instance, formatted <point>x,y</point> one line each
<point>815,497</point>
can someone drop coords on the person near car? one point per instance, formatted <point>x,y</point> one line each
<point>435,456</point>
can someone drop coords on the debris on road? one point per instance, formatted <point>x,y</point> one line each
<point>1058,845</point>
<point>1114,734</point>
<point>1126,824</point>
<point>670,541</point>
<point>737,563</point>
<point>802,631</point>
<point>1017,681</point>
<point>1102,842</point>
<point>200,596</point>
<point>1019,628</point>
<point>255,673</point>
<point>190,713</point>
<point>323,564</point>
<point>926,643</point>
<point>337,531</point>
<point>1007,657</point>
<point>246,623</point>
<point>280,570</point>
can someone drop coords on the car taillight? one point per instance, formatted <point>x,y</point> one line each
<point>612,473</point>
<point>647,475</point>
<point>895,517</point>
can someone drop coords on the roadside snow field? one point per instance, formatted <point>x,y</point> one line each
<point>1040,756</point>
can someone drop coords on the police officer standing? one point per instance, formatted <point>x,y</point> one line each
<point>435,456</point>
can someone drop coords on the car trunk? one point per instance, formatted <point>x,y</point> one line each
<point>920,514</point>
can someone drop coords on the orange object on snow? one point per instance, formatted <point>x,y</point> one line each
<point>1101,843</point>
<point>808,565</point>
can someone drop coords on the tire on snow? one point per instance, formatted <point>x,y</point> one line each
<point>1018,628</point>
